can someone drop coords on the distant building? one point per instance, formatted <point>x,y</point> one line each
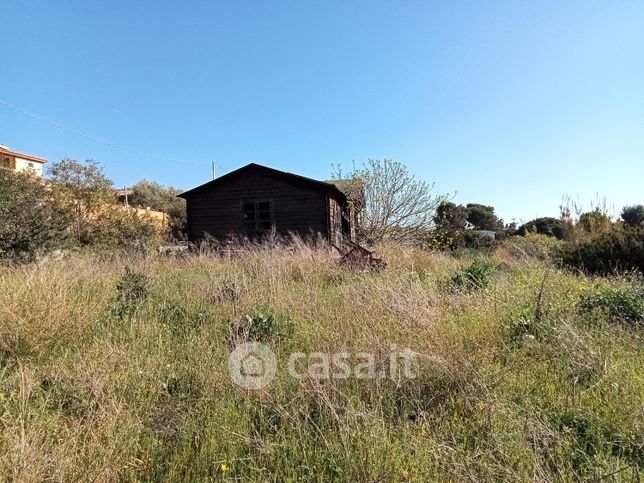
<point>487,233</point>
<point>256,200</point>
<point>158,218</point>
<point>20,162</point>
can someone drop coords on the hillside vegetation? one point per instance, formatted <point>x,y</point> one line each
<point>115,367</point>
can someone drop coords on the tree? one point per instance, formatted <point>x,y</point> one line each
<point>86,194</point>
<point>595,221</point>
<point>29,222</point>
<point>544,226</point>
<point>482,217</point>
<point>450,217</point>
<point>397,206</point>
<point>83,191</point>
<point>149,194</point>
<point>633,215</point>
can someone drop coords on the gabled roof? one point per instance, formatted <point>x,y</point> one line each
<point>330,187</point>
<point>4,150</point>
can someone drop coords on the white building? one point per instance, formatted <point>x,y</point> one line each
<point>20,162</point>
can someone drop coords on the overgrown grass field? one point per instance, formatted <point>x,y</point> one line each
<point>116,368</point>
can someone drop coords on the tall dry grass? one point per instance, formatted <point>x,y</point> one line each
<point>514,381</point>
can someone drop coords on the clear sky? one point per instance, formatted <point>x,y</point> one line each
<point>510,103</point>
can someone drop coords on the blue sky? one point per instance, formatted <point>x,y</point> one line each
<point>512,104</point>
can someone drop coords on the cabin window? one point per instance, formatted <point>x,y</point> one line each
<point>258,216</point>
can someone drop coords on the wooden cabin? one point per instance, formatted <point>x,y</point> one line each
<point>256,200</point>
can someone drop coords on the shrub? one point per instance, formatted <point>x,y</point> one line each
<point>29,223</point>
<point>83,192</point>
<point>633,215</point>
<point>460,239</point>
<point>478,241</point>
<point>623,304</point>
<point>476,275</point>
<point>114,227</point>
<point>131,291</point>
<point>162,198</point>
<point>544,226</point>
<point>617,250</point>
<point>531,245</point>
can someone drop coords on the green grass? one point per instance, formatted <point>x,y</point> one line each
<point>116,368</point>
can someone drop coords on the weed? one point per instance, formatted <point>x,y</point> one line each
<point>546,396</point>
<point>131,291</point>
<point>258,327</point>
<point>476,275</point>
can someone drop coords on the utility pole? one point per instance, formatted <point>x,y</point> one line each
<point>213,170</point>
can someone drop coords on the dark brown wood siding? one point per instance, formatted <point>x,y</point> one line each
<point>341,214</point>
<point>296,207</point>
<point>335,221</point>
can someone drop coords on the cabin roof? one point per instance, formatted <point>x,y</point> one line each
<point>353,189</point>
<point>330,187</point>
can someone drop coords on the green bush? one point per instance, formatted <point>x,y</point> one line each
<point>476,275</point>
<point>622,304</point>
<point>460,239</point>
<point>162,198</point>
<point>531,245</point>
<point>83,192</point>
<point>30,224</point>
<point>543,226</point>
<point>633,215</point>
<point>131,291</point>
<point>614,251</point>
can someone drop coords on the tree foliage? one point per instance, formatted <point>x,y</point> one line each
<point>397,206</point>
<point>149,194</point>
<point>482,217</point>
<point>594,222</point>
<point>86,194</point>
<point>544,226</point>
<point>83,191</point>
<point>633,215</point>
<point>450,216</point>
<point>30,223</point>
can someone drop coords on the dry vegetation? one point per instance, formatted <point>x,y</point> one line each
<point>107,374</point>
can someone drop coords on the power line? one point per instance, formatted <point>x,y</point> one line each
<point>98,140</point>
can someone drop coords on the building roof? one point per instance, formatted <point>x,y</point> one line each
<point>330,187</point>
<point>353,189</point>
<point>7,151</point>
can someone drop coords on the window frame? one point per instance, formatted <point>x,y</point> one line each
<point>256,222</point>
